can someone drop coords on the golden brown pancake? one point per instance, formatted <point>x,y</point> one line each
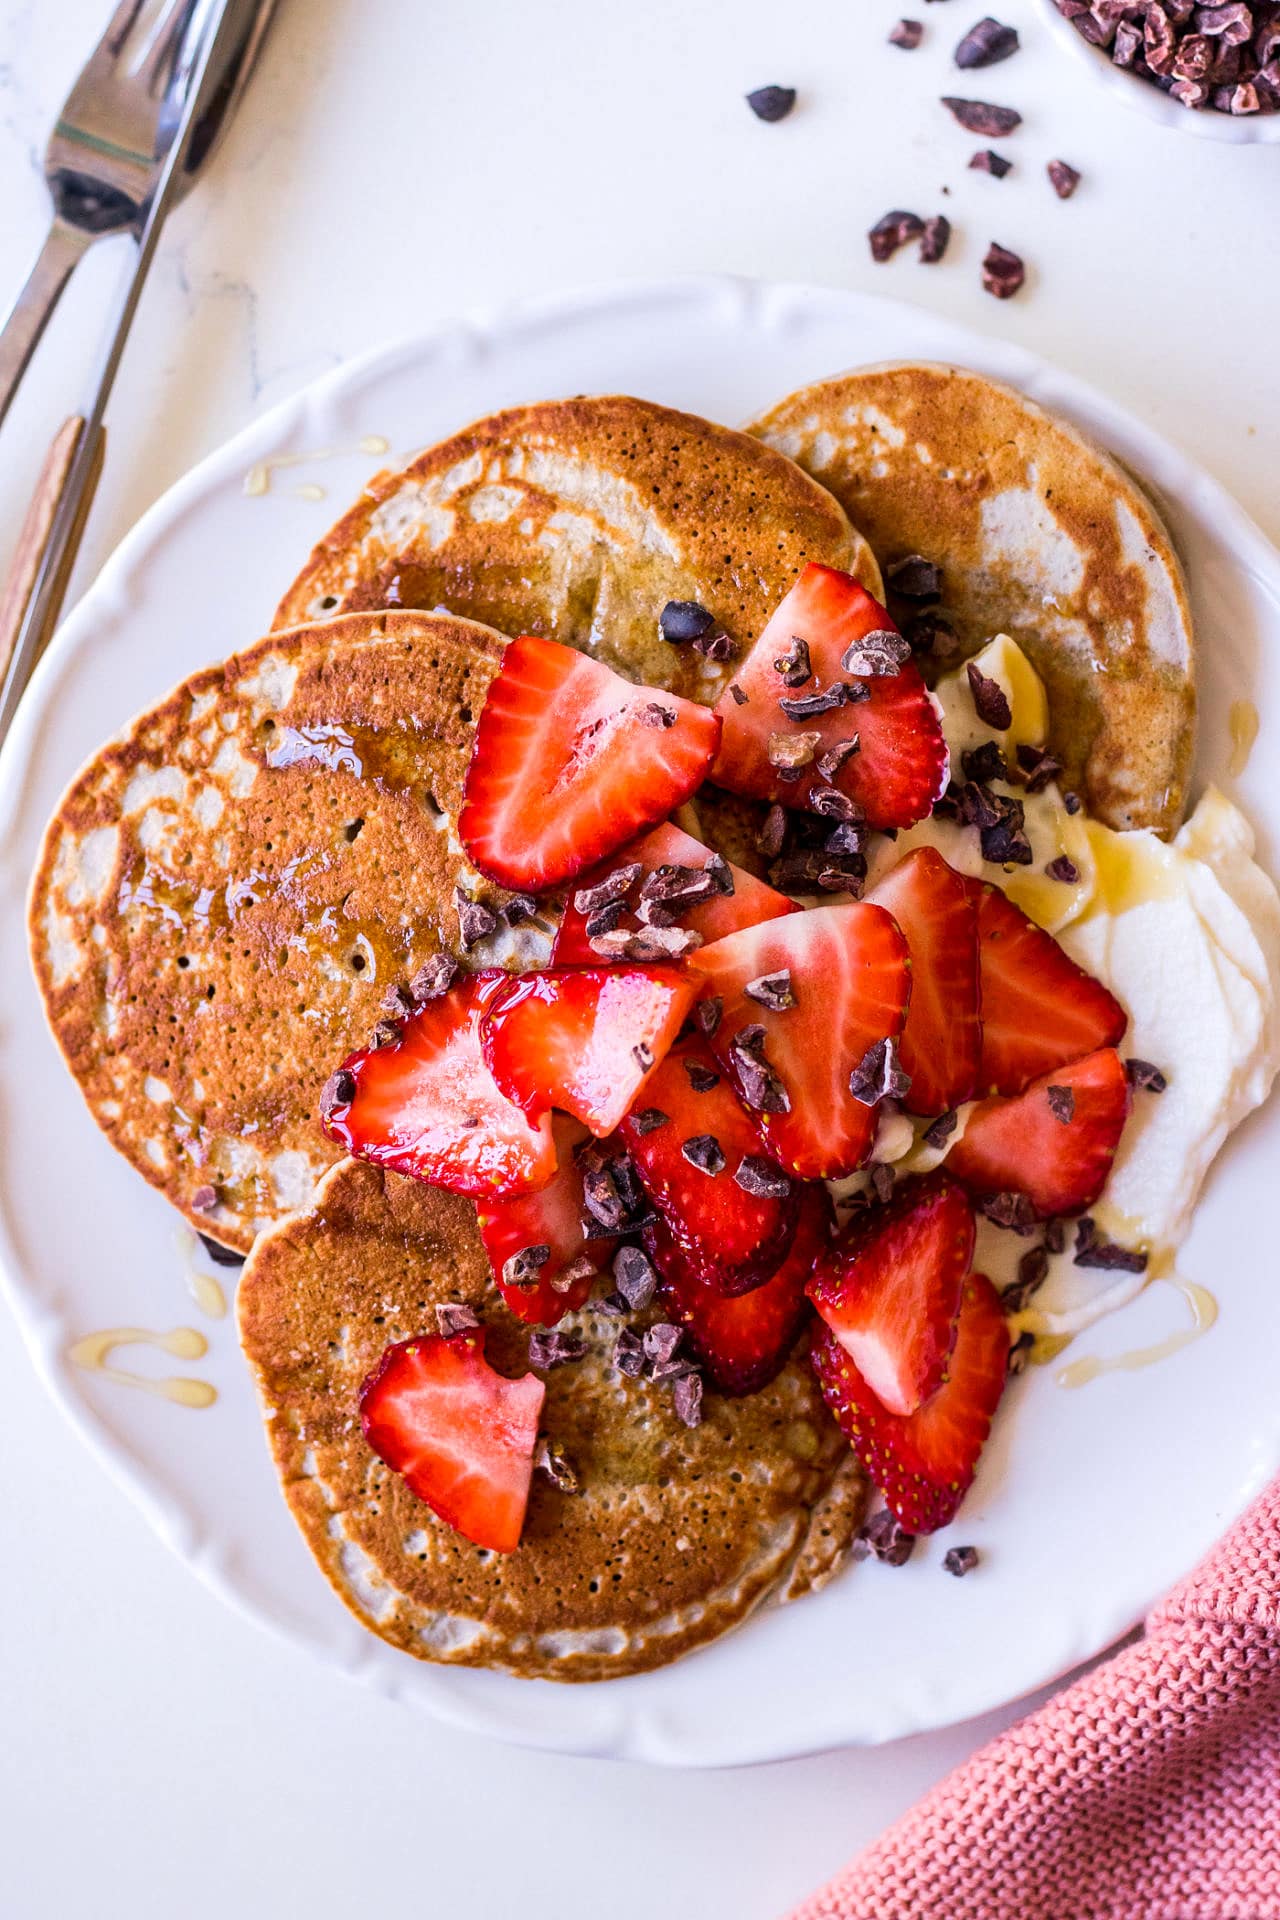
<point>579,520</point>
<point>1040,535</point>
<point>674,1534</point>
<point>227,891</point>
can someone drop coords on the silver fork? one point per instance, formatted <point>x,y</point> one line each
<point>145,114</point>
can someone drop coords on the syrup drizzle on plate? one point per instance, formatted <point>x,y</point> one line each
<point>93,1352</point>
<point>258,479</point>
<point>1204,1311</point>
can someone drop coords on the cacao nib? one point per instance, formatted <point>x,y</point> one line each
<point>986,44</point>
<point>1063,178</point>
<point>913,578</point>
<point>907,34</point>
<point>891,231</point>
<point>433,978</point>
<point>987,160</point>
<point>758,1176</point>
<point>792,665</point>
<point>879,1075</point>
<point>990,701</point>
<point>475,921</point>
<point>772,990</point>
<point>1093,1249</point>
<point>683,620</point>
<point>771,103</point>
<point>1143,1077</point>
<point>1003,271</point>
<point>981,117</point>
<point>878,655</point>
<point>960,1560</point>
<point>935,239</point>
<point>704,1152</point>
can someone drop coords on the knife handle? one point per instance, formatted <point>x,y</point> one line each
<point>33,540</point>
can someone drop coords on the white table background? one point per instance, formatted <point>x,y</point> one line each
<point>398,162</point>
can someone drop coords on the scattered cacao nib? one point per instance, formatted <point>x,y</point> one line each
<point>605,919</point>
<point>942,1129</point>
<point>986,44</point>
<point>990,701</point>
<point>1143,1077</point>
<point>433,979</point>
<point>980,764</point>
<point>891,231</point>
<point>549,1458</point>
<point>907,35</point>
<point>1063,869</point>
<point>1003,271</point>
<point>848,837</point>
<point>672,890</point>
<point>1012,1211</point>
<point>475,921</point>
<point>701,1078</point>
<point>720,873</point>
<point>758,1085</point>
<point>649,1119</point>
<point>977,806</point>
<point>1033,1269</point>
<point>1062,1104</point>
<point>960,1560</point>
<point>771,103</point>
<point>662,1340</point>
<point>830,764</point>
<point>615,886</point>
<point>715,646</point>
<point>813,868</point>
<point>773,833</point>
<point>772,990</point>
<point>646,943</point>
<point>519,908</point>
<point>987,160</point>
<point>204,1199</point>
<point>879,1075</point>
<point>398,1003</point>
<point>789,752</point>
<point>611,1193</point>
<point>686,1397</point>
<point>654,714</point>
<point>1071,802</point>
<point>878,655</point>
<point>549,1346</point>
<point>882,1178</point>
<point>935,239</point>
<point>707,1014</point>
<point>634,1276</point>
<point>886,1539</point>
<point>628,1353</point>
<point>452,1317</point>
<point>806,706</point>
<point>761,1177</point>
<point>705,1153</point>
<point>684,620</point>
<point>1055,1235</point>
<point>524,1266</point>
<point>1020,1353</point>
<point>1063,178</point>
<point>911,578</point>
<point>830,804</point>
<point>793,665</point>
<point>980,117</point>
<point>930,633</point>
<point>221,1256</point>
<point>614,1305</point>
<point>1037,767</point>
<point>387,1032</point>
<point>1093,1249</point>
<point>740,699</point>
<point>339,1091</point>
<point>1005,843</point>
<point>583,1267</point>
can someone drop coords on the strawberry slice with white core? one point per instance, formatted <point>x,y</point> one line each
<point>459,1435</point>
<point>899,764</point>
<point>1054,1143</point>
<point>924,1463</point>
<point>571,761</point>
<point>1039,1009</point>
<point>942,1040</point>
<point>730,1209</point>
<point>889,1288</point>
<point>543,1264</point>
<point>428,1106</point>
<point>847,983</point>
<point>584,1039</point>
<point>668,847</point>
<point>744,1342</point>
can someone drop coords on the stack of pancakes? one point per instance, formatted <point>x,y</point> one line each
<point>227,892</point>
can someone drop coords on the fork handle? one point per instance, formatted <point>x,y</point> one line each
<point>63,247</point>
<point>33,540</point>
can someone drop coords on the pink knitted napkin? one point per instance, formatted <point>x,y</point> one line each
<point>1150,1790</point>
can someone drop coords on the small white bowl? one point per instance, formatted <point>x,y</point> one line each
<point>1207,122</point>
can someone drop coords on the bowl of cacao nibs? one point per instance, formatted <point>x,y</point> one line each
<point>1212,70</point>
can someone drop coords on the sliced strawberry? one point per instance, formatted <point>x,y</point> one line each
<point>889,1288</point>
<point>900,765</point>
<point>460,1435</point>
<point>849,978</point>
<point>571,761</point>
<point>1055,1142</point>
<point>584,1039</point>
<point>942,1040</point>
<point>749,900</point>
<point>429,1106</point>
<point>743,1343</point>
<point>924,1463</point>
<point>541,1291</point>
<point>1039,1009</point>
<point>694,1163</point>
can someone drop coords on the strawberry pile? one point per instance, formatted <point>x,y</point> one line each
<point>666,1099</point>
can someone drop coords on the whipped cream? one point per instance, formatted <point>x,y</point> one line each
<point>1185,934</point>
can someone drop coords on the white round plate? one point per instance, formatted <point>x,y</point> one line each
<point>1088,1505</point>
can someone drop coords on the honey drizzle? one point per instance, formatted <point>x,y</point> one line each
<point>1204,1311</point>
<point>257,481</point>
<point>184,1343</point>
<point>1243,721</point>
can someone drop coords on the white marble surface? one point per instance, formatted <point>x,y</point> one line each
<point>397,163</point>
